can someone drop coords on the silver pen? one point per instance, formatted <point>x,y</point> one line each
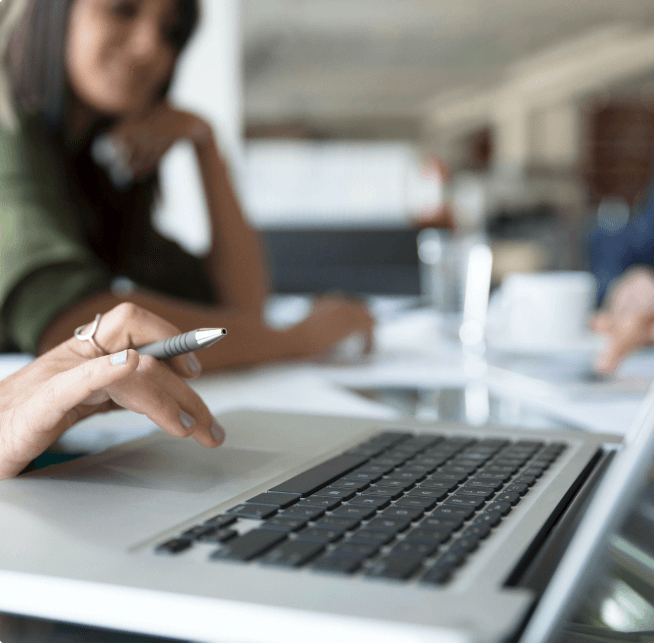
<point>185,343</point>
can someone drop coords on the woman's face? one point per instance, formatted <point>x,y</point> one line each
<point>118,54</point>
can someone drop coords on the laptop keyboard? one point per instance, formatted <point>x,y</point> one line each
<point>397,506</point>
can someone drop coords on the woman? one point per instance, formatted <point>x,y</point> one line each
<point>73,380</point>
<point>83,69</point>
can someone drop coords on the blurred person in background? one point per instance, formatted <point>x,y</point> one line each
<point>87,125</point>
<point>622,260</point>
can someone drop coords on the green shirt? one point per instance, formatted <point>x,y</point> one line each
<point>55,250</point>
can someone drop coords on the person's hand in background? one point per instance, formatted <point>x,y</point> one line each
<point>332,320</point>
<point>628,323</point>
<point>72,381</point>
<point>133,148</point>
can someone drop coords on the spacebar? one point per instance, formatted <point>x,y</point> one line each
<point>317,477</point>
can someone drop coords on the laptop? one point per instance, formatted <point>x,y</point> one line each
<point>310,528</point>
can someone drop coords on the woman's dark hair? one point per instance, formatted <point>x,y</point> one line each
<point>35,62</point>
<point>35,56</point>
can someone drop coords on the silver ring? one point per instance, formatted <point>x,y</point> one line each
<point>88,337</point>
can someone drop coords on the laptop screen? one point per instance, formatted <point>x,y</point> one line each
<point>606,577</point>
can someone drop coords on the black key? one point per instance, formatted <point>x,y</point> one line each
<point>435,494</point>
<point>539,464</point>
<point>484,475</point>
<point>522,479</point>
<point>513,463</point>
<point>451,558</point>
<point>255,512</point>
<point>441,524</point>
<point>388,525</point>
<point>279,500</point>
<point>353,485</point>
<point>385,492</point>
<point>378,502</point>
<point>284,524</point>
<point>389,461</point>
<point>501,471</point>
<point>323,536</point>
<point>173,546</point>
<point>479,456</point>
<point>432,463</point>
<point>328,504</point>
<point>465,545</point>
<point>425,440</point>
<point>336,565</point>
<point>200,530</point>
<point>308,482</point>
<point>535,444</point>
<point>249,545</point>
<point>309,513</point>
<point>353,550</point>
<point>456,469</point>
<point>502,508</point>
<point>476,531</point>
<point>413,550</point>
<point>424,503</point>
<point>376,468</point>
<point>328,492</point>
<point>402,485</point>
<point>478,492</point>
<point>371,538</point>
<point>417,469</point>
<point>490,518</point>
<point>362,513</point>
<point>364,476</point>
<point>446,475</point>
<point>410,513</point>
<point>395,568</point>
<point>446,511</point>
<point>221,520</point>
<point>437,575</point>
<point>436,483</point>
<point>511,498</point>
<point>219,536</point>
<point>464,501</point>
<point>338,522</point>
<point>489,483</point>
<point>428,536</point>
<point>466,463</point>
<point>292,554</point>
<point>535,472</point>
<point>517,487</point>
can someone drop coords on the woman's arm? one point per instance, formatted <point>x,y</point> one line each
<point>235,260</point>
<point>249,340</point>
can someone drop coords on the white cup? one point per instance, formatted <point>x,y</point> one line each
<point>547,310</point>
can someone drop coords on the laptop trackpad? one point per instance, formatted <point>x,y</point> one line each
<point>166,465</point>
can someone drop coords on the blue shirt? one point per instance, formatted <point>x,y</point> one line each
<point>613,252</point>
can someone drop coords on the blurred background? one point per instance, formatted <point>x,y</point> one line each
<point>528,121</point>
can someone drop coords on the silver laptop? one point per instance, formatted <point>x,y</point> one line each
<point>306,528</point>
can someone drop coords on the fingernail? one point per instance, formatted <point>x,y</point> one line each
<point>119,358</point>
<point>193,364</point>
<point>217,431</point>
<point>186,420</point>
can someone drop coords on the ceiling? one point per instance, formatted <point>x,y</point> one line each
<point>344,67</point>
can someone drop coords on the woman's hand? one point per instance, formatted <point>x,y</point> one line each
<point>70,382</point>
<point>140,142</point>
<point>333,319</point>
